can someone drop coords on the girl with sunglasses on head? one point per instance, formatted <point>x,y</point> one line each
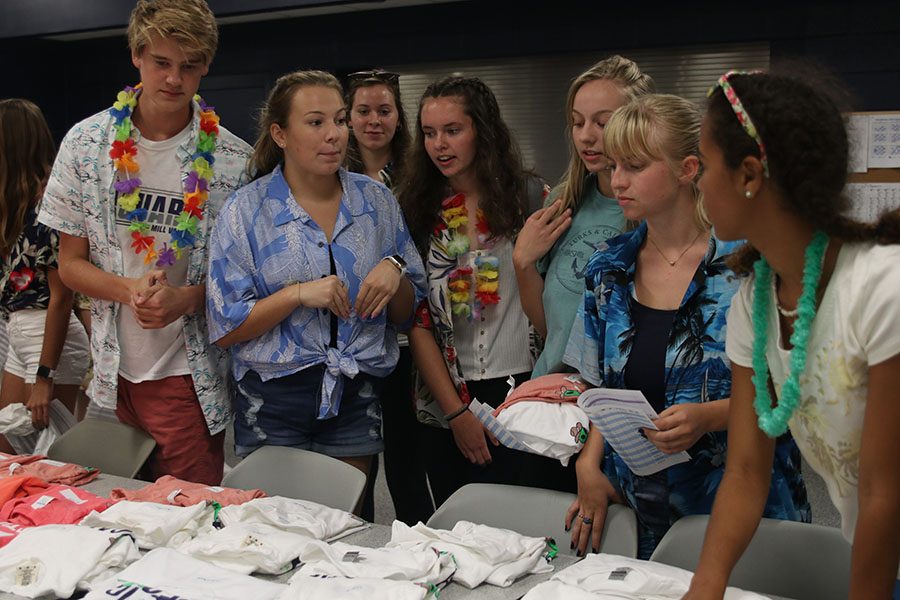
<point>580,213</point>
<point>378,145</point>
<point>311,270</point>
<point>466,195</point>
<point>653,320</point>
<point>813,333</point>
<point>380,138</point>
<point>48,353</point>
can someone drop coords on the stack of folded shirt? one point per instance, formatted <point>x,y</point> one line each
<point>296,516</point>
<point>482,553</point>
<point>430,568</point>
<point>249,548</point>
<point>55,559</point>
<point>171,490</point>
<point>154,525</point>
<point>51,471</point>
<point>165,573</point>
<point>55,505</point>
<point>611,576</point>
<point>543,415</point>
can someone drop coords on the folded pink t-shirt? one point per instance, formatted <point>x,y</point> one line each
<point>554,387</point>
<point>51,471</point>
<point>57,505</point>
<point>170,490</point>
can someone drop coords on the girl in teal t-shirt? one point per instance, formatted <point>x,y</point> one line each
<point>555,243</point>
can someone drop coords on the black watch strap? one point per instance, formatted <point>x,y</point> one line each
<point>44,372</point>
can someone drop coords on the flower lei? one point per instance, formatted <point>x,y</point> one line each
<point>196,184</point>
<point>486,272</point>
<point>774,420</point>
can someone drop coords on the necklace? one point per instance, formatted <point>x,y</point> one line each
<point>774,420</point>
<point>484,278</point>
<point>128,185</point>
<point>683,252</point>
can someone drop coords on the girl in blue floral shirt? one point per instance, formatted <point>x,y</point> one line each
<point>43,331</point>
<point>654,321</point>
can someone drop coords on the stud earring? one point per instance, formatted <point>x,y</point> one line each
<point>748,194</point>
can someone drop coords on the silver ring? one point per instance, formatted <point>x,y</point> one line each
<point>586,520</point>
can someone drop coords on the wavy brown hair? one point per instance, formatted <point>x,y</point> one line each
<point>807,149</point>
<point>498,165</point>
<point>27,152</point>
<point>402,139</point>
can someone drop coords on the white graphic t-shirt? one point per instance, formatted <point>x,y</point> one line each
<point>153,354</point>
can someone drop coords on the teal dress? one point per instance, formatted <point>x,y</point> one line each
<point>598,219</point>
<point>697,370</point>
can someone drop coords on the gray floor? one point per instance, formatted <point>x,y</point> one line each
<point>823,511</point>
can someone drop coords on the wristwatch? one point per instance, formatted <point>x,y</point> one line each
<point>45,372</point>
<point>398,262</point>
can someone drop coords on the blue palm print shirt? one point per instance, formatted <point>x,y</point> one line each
<point>264,240</point>
<point>697,370</point>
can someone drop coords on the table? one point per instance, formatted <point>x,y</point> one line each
<point>373,537</point>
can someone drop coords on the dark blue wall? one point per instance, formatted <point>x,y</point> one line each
<point>859,41</point>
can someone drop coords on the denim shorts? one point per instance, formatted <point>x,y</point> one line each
<point>283,412</point>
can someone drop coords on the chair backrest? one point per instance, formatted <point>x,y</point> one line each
<point>784,558</point>
<point>113,448</point>
<point>301,474</point>
<point>534,512</point>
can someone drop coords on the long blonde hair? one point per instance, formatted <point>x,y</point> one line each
<point>277,109</point>
<point>632,82</point>
<point>658,127</point>
<point>27,152</point>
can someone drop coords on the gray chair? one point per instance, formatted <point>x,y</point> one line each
<point>784,558</point>
<point>295,473</point>
<point>534,512</point>
<point>113,448</point>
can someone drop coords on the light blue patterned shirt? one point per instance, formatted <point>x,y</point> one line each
<point>80,200</point>
<point>264,240</point>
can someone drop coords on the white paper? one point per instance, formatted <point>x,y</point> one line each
<point>858,135</point>
<point>884,141</point>
<point>485,414</point>
<point>868,201</point>
<point>620,415</point>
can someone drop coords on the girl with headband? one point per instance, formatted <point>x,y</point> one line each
<point>813,332</point>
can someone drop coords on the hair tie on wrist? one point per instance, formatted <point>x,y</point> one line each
<point>456,413</point>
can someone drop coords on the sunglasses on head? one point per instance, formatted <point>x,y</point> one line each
<point>377,74</point>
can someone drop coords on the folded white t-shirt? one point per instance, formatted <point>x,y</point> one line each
<point>154,525</point>
<point>552,429</point>
<point>482,553</point>
<point>248,548</point>
<point>612,576</point>
<point>430,567</point>
<point>344,588</point>
<point>168,573</point>
<point>52,559</point>
<point>296,516</point>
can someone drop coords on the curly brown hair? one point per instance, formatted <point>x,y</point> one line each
<point>807,149</point>
<point>27,152</point>
<point>498,165</point>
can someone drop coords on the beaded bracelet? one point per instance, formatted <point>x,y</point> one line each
<point>456,413</point>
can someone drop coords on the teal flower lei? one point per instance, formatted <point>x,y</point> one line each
<point>773,421</point>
